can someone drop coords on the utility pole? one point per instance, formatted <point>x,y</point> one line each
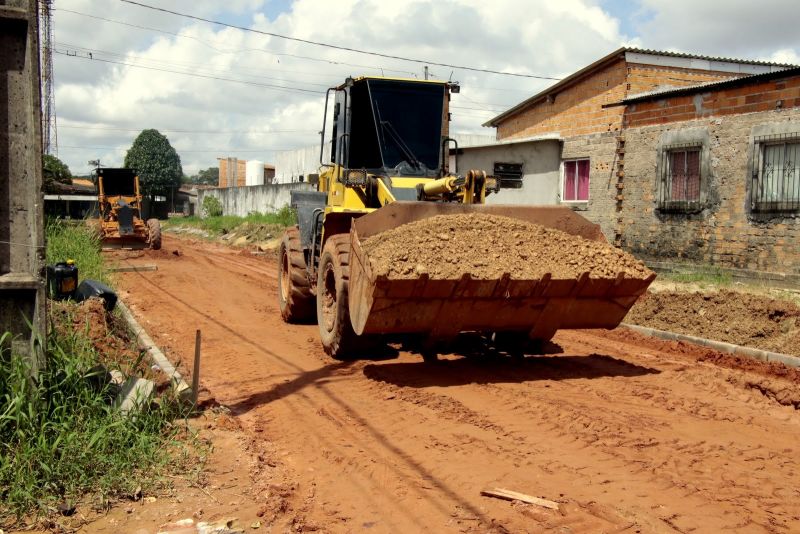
<point>22,295</point>
<point>49,133</point>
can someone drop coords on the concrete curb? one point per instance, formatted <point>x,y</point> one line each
<point>737,350</point>
<point>147,344</point>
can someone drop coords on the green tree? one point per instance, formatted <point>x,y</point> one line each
<point>54,170</point>
<point>208,176</point>
<point>158,164</point>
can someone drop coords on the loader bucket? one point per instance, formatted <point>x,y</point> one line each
<point>441,308</point>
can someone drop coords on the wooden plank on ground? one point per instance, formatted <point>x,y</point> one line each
<point>509,495</point>
<point>134,268</point>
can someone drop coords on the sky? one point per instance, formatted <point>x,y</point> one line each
<point>218,91</point>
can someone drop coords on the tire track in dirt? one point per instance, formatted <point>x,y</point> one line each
<point>624,435</point>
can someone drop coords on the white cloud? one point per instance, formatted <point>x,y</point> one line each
<point>752,30</point>
<point>547,38</point>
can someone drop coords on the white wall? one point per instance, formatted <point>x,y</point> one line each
<point>291,164</point>
<point>540,166</point>
<point>257,198</point>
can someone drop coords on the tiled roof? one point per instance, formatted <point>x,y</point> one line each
<point>707,58</point>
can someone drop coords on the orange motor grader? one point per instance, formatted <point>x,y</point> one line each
<point>121,224</point>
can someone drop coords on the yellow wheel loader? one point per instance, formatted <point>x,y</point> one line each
<point>388,166</point>
<point>120,206</point>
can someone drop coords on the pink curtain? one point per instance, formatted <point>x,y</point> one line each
<point>678,171</point>
<point>583,179</point>
<point>685,175</point>
<point>693,175</point>
<point>576,180</point>
<point>570,176</point>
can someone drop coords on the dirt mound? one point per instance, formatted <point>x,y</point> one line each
<point>108,334</point>
<point>729,316</point>
<point>487,246</point>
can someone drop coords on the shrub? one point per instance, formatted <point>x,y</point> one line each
<point>212,207</point>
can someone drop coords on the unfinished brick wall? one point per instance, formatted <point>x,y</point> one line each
<point>577,110</point>
<point>765,96</point>
<point>725,233</point>
<point>239,172</point>
<point>643,78</point>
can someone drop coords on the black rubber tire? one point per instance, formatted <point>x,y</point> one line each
<point>154,233</point>
<point>333,314</point>
<point>295,298</point>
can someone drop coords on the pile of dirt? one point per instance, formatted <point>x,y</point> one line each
<point>730,316</point>
<point>487,246</point>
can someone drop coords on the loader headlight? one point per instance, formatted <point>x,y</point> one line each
<point>356,178</point>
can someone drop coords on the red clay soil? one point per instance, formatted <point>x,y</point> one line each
<point>626,433</point>
<point>733,317</point>
<point>108,334</point>
<point>487,246</point>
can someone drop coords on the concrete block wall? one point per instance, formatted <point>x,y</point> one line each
<point>540,167</point>
<point>601,151</point>
<point>255,198</point>
<point>765,96</point>
<point>725,233</point>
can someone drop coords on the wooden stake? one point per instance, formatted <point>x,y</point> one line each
<point>509,495</point>
<point>196,372</point>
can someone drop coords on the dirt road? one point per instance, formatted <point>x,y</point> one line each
<point>628,434</point>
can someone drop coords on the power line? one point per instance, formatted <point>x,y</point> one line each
<point>91,57</point>
<point>234,50</point>
<point>183,64</point>
<point>245,82</point>
<point>180,151</point>
<point>336,47</point>
<point>171,130</point>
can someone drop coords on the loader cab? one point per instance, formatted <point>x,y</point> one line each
<point>389,127</point>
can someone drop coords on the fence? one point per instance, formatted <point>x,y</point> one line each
<point>255,198</point>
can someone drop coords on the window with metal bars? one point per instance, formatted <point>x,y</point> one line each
<point>775,183</point>
<point>509,174</point>
<point>679,184</point>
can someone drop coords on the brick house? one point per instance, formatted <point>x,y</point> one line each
<point>575,132</point>
<point>619,130</point>
<point>712,174</point>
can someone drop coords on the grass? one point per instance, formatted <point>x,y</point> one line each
<point>227,223</point>
<point>61,439</point>
<point>78,242</point>
<point>701,275</point>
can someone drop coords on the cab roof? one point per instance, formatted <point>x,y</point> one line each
<point>390,79</point>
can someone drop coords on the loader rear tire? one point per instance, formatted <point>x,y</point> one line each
<point>333,313</point>
<point>154,230</point>
<point>294,290</point>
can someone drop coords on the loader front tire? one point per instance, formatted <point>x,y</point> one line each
<point>154,232</point>
<point>294,290</point>
<point>333,313</point>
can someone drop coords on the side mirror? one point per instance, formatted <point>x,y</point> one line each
<point>313,179</point>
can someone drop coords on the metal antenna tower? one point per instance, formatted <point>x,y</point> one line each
<point>49,133</point>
